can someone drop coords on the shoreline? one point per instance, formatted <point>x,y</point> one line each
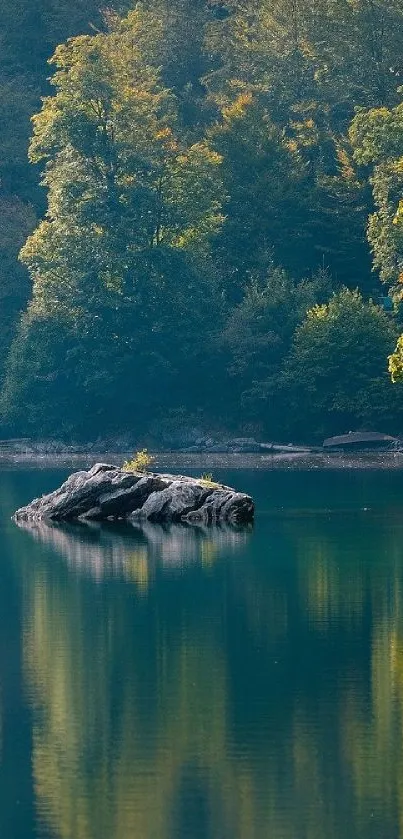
<point>206,461</point>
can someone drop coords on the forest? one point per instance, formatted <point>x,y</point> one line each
<point>202,217</point>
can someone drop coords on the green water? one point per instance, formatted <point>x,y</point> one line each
<point>206,684</point>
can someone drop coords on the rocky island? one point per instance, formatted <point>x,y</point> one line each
<point>108,493</point>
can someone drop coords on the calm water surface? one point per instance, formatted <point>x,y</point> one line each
<point>206,684</point>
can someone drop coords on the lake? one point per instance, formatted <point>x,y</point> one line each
<point>190,683</point>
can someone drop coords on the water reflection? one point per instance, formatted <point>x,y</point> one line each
<point>256,696</point>
<point>130,700</point>
<point>133,550</point>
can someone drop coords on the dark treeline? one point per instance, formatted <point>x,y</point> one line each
<point>212,198</point>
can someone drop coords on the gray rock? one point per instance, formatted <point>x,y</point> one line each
<point>246,448</point>
<point>123,501</point>
<point>244,445</point>
<point>174,502</point>
<point>107,492</point>
<point>223,505</point>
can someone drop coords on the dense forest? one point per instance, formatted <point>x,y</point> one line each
<point>202,216</point>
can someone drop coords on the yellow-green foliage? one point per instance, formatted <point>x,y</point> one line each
<point>207,480</point>
<point>140,462</point>
<point>396,362</point>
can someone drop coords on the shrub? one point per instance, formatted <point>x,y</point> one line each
<point>207,480</point>
<point>140,462</point>
<point>335,376</point>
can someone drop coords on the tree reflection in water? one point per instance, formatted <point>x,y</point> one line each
<point>247,685</point>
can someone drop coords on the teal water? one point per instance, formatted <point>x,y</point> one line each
<point>185,683</point>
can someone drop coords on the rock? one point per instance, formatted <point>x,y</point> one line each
<point>172,503</point>
<point>246,449</point>
<point>223,505</point>
<point>290,449</point>
<point>106,492</point>
<point>208,447</point>
<point>361,440</point>
<point>244,445</point>
<point>123,500</point>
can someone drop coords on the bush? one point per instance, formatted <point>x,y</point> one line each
<point>336,377</point>
<point>258,336</point>
<point>140,463</point>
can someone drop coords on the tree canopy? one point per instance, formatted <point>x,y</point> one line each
<point>193,189</point>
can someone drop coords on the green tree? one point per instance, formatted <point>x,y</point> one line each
<point>17,221</point>
<point>377,137</point>
<point>258,336</point>
<point>396,362</point>
<point>30,30</point>
<point>267,188</point>
<point>335,54</point>
<point>312,64</point>
<point>131,211</point>
<point>335,376</point>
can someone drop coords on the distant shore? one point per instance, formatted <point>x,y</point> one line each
<point>205,462</point>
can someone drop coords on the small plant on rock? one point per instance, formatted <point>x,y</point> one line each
<point>208,480</point>
<point>140,462</point>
